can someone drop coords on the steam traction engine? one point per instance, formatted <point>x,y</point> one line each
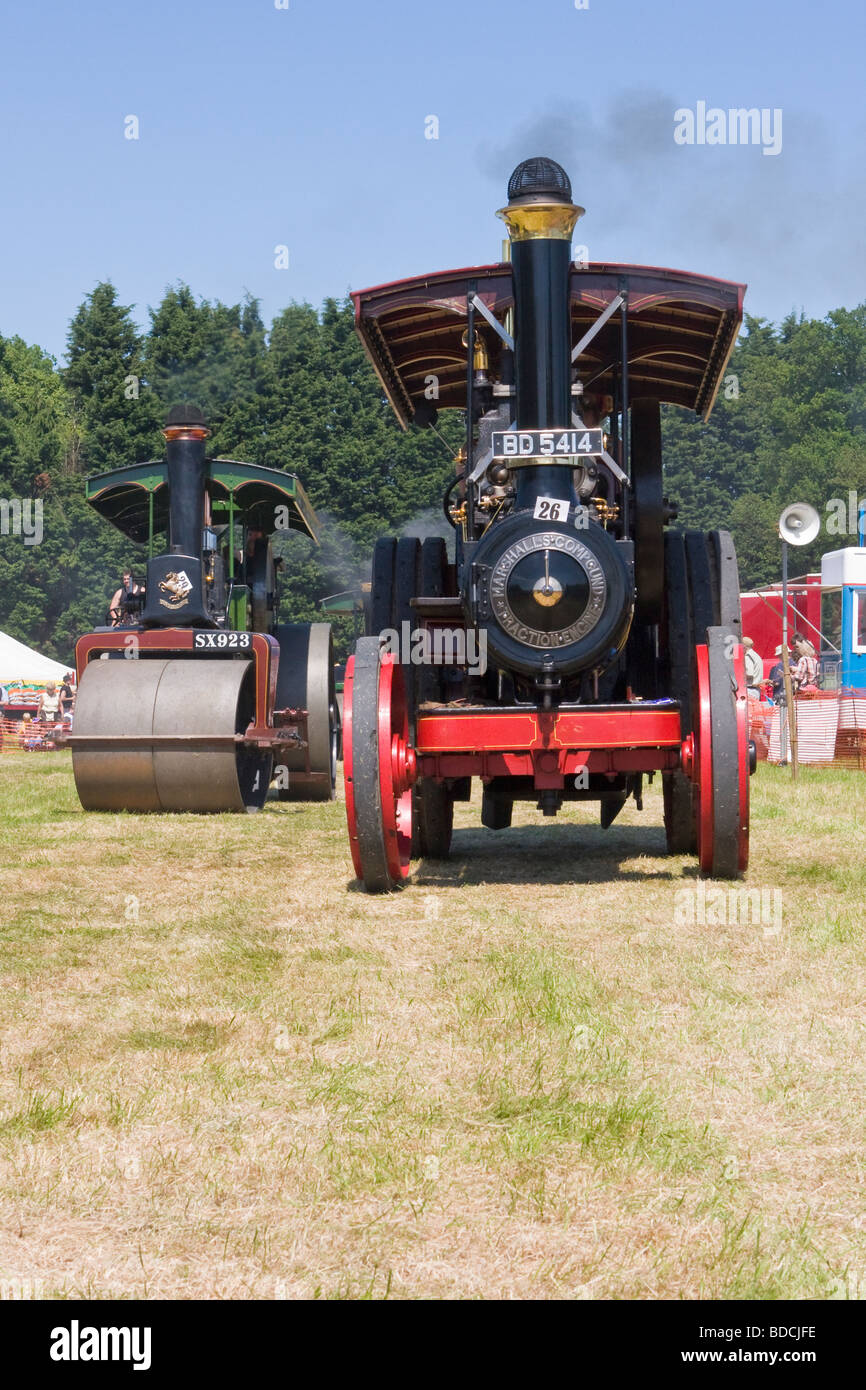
<point>200,696</point>
<point>575,642</point>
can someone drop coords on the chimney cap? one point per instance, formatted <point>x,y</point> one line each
<point>184,414</point>
<point>539,180</point>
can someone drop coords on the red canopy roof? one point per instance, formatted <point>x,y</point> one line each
<point>681,331</point>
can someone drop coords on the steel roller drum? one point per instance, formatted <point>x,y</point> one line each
<point>306,679</point>
<point>200,699</point>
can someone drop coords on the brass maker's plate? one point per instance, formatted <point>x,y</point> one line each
<point>559,544</point>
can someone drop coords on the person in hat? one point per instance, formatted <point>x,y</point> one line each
<point>804,672</point>
<point>754,668</point>
<point>777,674</point>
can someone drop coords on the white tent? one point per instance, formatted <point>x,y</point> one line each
<point>20,663</point>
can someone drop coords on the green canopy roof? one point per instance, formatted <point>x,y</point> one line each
<point>125,497</point>
<point>349,601</point>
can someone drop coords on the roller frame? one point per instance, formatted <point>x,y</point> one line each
<point>261,734</point>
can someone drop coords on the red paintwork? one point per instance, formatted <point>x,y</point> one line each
<point>441,766</point>
<point>743,753</point>
<point>599,727</point>
<point>704,762</point>
<point>489,742</point>
<point>702,768</point>
<point>396,768</point>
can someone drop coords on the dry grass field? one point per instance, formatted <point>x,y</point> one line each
<point>553,1067</point>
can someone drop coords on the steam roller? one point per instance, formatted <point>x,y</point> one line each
<point>196,699</point>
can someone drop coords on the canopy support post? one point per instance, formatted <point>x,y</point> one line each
<point>626,430</point>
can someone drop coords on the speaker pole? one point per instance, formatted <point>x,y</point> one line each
<point>790,720</point>
<point>798,525</point>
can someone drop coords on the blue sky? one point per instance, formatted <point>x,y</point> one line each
<point>305,127</point>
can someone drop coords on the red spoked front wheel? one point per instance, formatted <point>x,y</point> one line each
<point>378,767</point>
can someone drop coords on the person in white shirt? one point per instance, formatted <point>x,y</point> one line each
<point>49,705</point>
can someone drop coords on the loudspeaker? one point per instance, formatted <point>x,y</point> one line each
<point>799,524</point>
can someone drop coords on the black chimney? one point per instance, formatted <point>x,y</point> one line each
<point>540,217</point>
<point>185,433</point>
<point>175,580</point>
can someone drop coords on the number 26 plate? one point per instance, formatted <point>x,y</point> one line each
<point>220,641</point>
<point>559,444</point>
<point>551,508</point>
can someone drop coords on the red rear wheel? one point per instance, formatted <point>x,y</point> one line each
<point>721,756</point>
<point>704,761</point>
<point>378,767</point>
<point>744,770</point>
<point>396,766</point>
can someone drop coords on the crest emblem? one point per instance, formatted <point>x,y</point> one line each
<point>177,585</point>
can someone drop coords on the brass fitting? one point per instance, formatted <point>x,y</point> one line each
<point>604,511</point>
<point>480,361</point>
